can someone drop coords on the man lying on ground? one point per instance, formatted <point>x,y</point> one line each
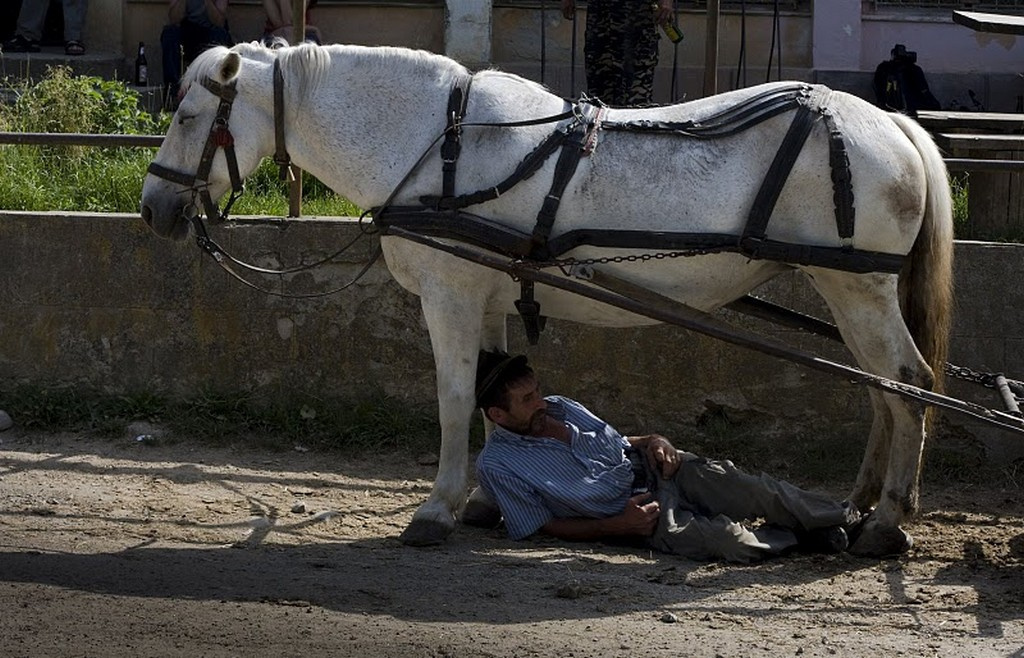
<point>554,467</point>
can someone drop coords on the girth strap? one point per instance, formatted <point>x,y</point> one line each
<point>565,168</point>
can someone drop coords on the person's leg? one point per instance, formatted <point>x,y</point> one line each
<point>31,19</point>
<point>170,47</point>
<point>641,56</point>
<point>602,52</point>
<point>719,487</point>
<point>220,36</point>
<point>74,19</point>
<point>686,532</point>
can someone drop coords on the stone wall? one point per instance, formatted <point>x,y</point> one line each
<point>99,301</point>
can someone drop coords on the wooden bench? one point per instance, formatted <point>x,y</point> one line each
<point>990,147</point>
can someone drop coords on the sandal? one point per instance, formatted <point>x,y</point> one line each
<point>20,44</point>
<point>74,48</point>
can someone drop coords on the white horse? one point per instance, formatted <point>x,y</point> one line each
<point>359,118</point>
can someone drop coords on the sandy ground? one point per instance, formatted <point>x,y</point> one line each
<point>120,548</point>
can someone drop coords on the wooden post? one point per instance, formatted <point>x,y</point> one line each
<point>711,49</point>
<point>298,36</point>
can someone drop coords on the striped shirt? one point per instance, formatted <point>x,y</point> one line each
<point>536,479</point>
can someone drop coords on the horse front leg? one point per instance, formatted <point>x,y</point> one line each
<point>454,323</point>
<point>480,510</point>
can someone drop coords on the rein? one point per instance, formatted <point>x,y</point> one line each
<point>220,137</point>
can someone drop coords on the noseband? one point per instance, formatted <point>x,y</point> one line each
<point>220,137</point>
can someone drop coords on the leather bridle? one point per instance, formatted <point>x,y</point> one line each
<point>220,137</point>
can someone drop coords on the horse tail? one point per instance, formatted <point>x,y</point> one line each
<point>926,281</point>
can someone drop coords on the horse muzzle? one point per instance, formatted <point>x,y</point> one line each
<point>170,222</point>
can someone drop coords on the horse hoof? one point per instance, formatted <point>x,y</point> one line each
<point>425,533</point>
<point>881,541</point>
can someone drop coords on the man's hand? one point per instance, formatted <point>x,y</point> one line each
<point>659,451</point>
<point>568,8</point>
<point>637,519</point>
<point>663,14</point>
<point>664,455</point>
<point>640,518</point>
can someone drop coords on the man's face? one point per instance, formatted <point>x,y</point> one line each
<point>526,411</point>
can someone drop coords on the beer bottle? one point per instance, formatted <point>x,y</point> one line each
<point>141,69</point>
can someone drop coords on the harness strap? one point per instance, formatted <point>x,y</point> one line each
<point>499,238</point>
<point>281,157</point>
<point>731,121</point>
<point>526,168</point>
<point>768,194</point>
<point>568,160</point>
<point>842,180</point>
<point>452,144</point>
<point>565,169</point>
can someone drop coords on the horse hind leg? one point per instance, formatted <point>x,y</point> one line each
<point>868,487</point>
<point>866,309</point>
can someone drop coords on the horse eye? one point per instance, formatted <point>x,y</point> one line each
<point>185,117</point>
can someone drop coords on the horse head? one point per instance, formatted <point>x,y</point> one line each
<point>201,158</point>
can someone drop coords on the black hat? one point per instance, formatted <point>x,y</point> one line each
<point>490,369</point>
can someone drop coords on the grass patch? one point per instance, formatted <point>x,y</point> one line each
<point>376,422</point>
<point>78,178</point>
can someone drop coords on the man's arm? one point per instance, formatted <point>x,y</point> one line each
<point>176,11</point>
<point>217,10</point>
<point>659,450</point>
<point>637,519</point>
<point>275,16</point>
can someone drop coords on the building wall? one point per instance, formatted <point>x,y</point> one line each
<point>839,42</point>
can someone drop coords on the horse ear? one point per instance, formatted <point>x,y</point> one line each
<point>229,67</point>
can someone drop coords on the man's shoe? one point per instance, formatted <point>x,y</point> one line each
<point>832,539</point>
<point>20,44</point>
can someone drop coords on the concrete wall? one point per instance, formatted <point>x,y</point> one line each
<point>98,301</point>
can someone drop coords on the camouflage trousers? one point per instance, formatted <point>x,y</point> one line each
<point>621,51</point>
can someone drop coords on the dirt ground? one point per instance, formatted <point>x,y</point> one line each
<point>123,548</point>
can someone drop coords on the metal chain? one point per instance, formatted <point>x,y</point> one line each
<point>568,265</point>
<point>986,379</point>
